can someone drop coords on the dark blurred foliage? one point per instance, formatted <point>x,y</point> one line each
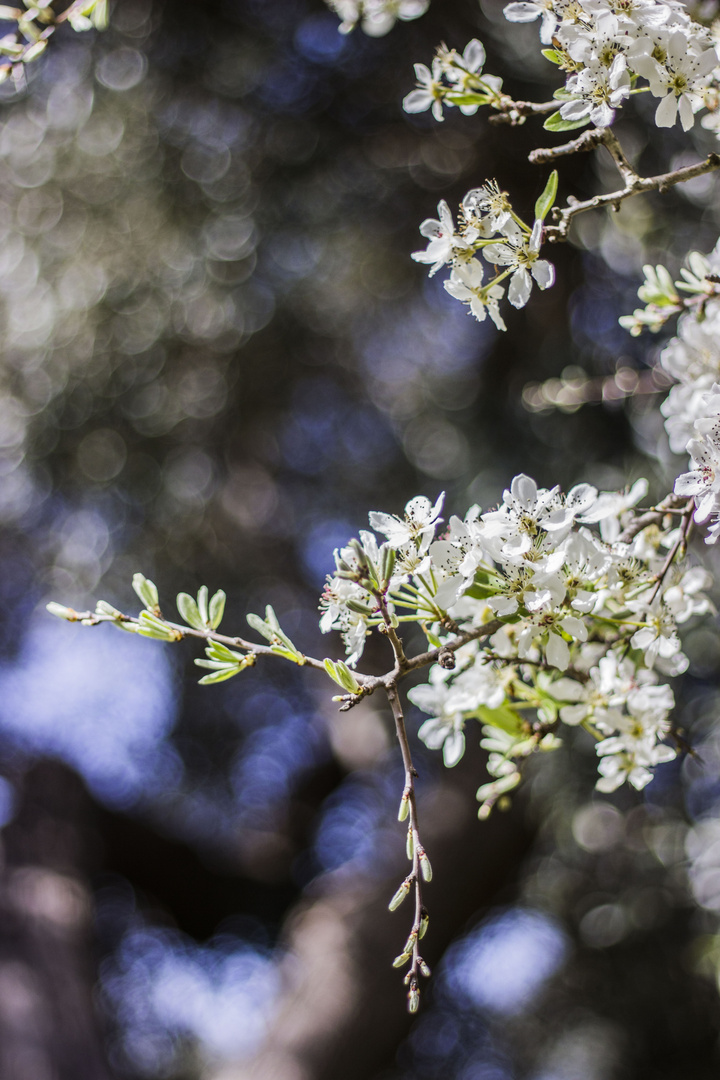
<point>217,357</point>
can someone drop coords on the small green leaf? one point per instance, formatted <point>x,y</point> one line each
<point>343,676</point>
<point>262,627</point>
<point>547,199</point>
<point>202,603</point>
<point>217,609</point>
<point>217,651</point>
<point>146,590</point>
<point>189,611</point>
<point>557,123</point>
<point>219,676</point>
<point>151,626</point>
<point>552,55</point>
<point>503,717</point>
<point>289,654</point>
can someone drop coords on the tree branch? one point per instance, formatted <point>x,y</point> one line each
<point>514,112</point>
<point>636,186</point>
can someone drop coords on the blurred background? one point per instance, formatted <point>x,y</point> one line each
<point>217,356</point>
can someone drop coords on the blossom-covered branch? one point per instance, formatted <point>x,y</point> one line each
<point>36,23</point>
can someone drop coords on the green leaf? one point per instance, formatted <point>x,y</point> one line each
<point>217,609</point>
<point>547,199</point>
<point>433,639</point>
<point>468,98</point>
<point>146,590</point>
<point>151,626</point>
<point>556,123</point>
<point>262,627</point>
<point>552,55</point>
<point>219,676</point>
<point>343,676</point>
<point>480,592</point>
<point>202,603</point>
<point>217,651</point>
<point>189,611</point>
<point>503,717</point>
<point>289,654</point>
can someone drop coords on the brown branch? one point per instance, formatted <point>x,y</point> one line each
<point>637,186</point>
<point>587,141</point>
<point>652,517</point>
<point>514,112</point>
<point>680,545</point>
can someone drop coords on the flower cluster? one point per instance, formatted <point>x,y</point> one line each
<point>488,226</point>
<point>692,357</point>
<point>376,17</point>
<point>554,617</point>
<point>455,80</point>
<point>606,46</point>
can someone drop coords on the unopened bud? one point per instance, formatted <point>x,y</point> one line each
<point>409,845</point>
<point>413,999</point>
<point>425,866</point>
<point>424,968</point>
<point>62,612</point>
<point>399,896</point>
<point>404,807</point>
<point>424,923</point>
<point>401,960</point>
<point>387,564</point>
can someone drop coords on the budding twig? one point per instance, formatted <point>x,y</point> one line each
<point>420,863</point>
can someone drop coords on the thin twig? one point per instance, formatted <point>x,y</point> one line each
<point>414,879</point>
<point>652,517</point>
<point>91,618</point>
<point>679,545</point>
<point>514,112</point>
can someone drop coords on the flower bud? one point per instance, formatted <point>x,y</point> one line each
<point>399,896</point>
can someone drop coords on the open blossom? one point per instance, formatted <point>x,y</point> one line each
<point>597,91</point>
<point>429,94</point>
<point>521,255</point>
<point>702,482</point>
<point>418,524</point>
<point>682,74</point>
<point>376,17</point>
<point>527,11</point>
<point>444,242</point>
<point>466,284</point>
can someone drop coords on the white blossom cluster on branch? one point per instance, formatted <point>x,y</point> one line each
<point>376,17</point>
<point>587,625</point>
<point>692,357</point>
<point>488,227</point>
